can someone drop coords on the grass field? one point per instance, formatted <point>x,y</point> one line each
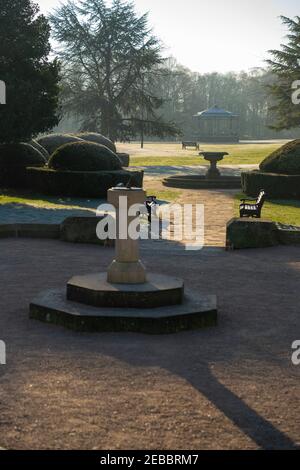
<point>167,195</point>
<point>164,154</point>
<point>285,211</point>
<point>42,201</point>
<point>47,202</point>
<point>161,154</point>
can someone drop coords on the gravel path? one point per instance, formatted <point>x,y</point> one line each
<point>218,210</point>
<point>229,387</point>
<point>166,171</point>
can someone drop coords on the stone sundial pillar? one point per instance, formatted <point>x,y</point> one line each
<point>127,267</point>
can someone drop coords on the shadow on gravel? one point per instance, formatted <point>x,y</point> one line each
<point>257,328</point>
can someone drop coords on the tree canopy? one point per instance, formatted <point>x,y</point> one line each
<point>286,67</point>
<point>108,54</point>
<point>31,78</point>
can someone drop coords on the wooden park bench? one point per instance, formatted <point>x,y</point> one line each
<point>187,144</point>
<point>249,208</point>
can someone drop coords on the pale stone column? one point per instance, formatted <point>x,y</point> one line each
<point>126,267</point>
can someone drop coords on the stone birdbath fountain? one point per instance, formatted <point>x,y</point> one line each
<point>212,180</point>
<point>213,158</point>
<point>126,297</point>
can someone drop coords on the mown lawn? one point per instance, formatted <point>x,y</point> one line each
<point>47,202</point>
<point>246,154</point>
<point>42,201</point>
<point>164,195</point>
<point>285,211</point>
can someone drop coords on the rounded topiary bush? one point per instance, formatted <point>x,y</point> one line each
<point>52,142</point>
<point>97,139</point>
<point>14,158</point>
<point>125,158</point>
<point>40,148</point>
<point>21,154</point>
<point>279,174</point>
<point>84,156</point>
<point>285,160</point>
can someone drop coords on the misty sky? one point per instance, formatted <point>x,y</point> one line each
<point>215,35</point>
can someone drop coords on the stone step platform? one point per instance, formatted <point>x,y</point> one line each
<point>95,290</point>
<point>195,312</point>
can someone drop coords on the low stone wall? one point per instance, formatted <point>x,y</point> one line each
<point>73,230</point>
<point>288,234</point>
<point>30,231</point>
<point>82,230</point>
<point>240,233</point>
<point>259,233</point>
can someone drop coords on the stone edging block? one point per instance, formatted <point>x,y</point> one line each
<point>72,229</point>
<point>259,233</point>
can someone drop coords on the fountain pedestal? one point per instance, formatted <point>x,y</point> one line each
<point>212,180</point>
<point>213,158</point>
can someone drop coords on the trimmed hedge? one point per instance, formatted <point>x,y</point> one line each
<point>79,183</point>
<point>125,158</point>
<point>84,156</point>
<point>285,160</point>
<point>276,186</point>
<point>14,158</point>
<point>41,149</point>
<point>20,154</point>
<point>51,142</point>
<point>97,139</point>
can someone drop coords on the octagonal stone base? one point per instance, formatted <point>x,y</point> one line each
<point>126,273</point>
<point>95,290</point>
<point>196,311</point>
